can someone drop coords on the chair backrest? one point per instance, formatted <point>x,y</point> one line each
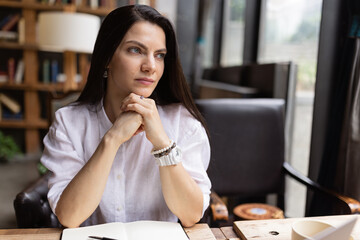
<point>272,80</point>
<point>247,145</point>
<point>32,208</point>
<point>268,80</point>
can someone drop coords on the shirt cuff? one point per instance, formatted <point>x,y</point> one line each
<point>206,202</point>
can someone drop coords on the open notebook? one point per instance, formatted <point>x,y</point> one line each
<point>341,232</point>
<point>149,230</point>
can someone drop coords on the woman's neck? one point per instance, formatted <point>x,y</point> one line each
<point>112,107</point>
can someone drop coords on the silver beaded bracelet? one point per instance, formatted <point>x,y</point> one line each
<point>153,152</point>
<point>168,156</point>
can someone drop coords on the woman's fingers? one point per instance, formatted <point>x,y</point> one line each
<point>144,106</point>
<point>152,125</point>
<point>139,108</point>
<point>126,125</point>
<point>134,98</point>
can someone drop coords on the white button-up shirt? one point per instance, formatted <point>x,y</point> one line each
<point>133,189</point>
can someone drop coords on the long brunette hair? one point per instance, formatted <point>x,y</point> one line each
<point>172,87</point>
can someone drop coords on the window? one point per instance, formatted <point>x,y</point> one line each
<point>290,32</point>
<point>223,35</point>
<point>232,43</point>
<point>208,41</point>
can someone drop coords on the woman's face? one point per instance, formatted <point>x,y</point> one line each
<point>138,63</point>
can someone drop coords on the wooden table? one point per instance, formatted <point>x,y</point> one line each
<point>263,229</point>
<point>197,232</point>
<point>255,229</point>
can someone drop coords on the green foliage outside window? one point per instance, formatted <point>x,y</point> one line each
<point>237,9</point>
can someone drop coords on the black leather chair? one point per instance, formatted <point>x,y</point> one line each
<point>247,162</point>
<point>247,156</point>
<point>32,208</point>
<point>268,80</point>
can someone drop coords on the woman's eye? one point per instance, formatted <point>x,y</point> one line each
<point>160,56</point>
<point>134,50</point>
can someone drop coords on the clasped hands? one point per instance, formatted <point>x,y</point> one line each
<point>140,114</point>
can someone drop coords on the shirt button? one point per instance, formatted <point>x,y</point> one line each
<point>118,177</point>
<point>119,209</point>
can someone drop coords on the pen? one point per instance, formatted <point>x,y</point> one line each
<point>102,238</point>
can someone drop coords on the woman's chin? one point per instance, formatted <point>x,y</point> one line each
<point>145,94</point>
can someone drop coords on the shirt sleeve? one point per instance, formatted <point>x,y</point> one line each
<point>61,158</point>
<point>195,149</point>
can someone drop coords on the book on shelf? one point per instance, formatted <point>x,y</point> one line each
<point>8,36</point>
<point>51,2</point>
<point>46,71</point>
<point>61,78</point>
<point>78,2</point>
<point>9,115</point>
<point>11,22</point>
<point>5,20</point>
<point>11,69</point>
<point>110,4</point>
<point>10,103</point>
<point>21,30</point>
<point>19,72</point>
<point>94,3</point>
<point>150,230</point>
<point>3,77</point>
<point>61,2</point>
<point>54,70</point>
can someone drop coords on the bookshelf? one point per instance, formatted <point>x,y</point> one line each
<point>31,89</point>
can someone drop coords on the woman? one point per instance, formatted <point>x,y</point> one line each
<point>133,146</point>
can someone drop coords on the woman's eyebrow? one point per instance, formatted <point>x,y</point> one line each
<point>143,46</point>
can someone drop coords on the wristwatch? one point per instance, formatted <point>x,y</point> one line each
<point>172,158</point>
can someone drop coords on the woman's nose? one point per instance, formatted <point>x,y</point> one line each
<point>149,64</point>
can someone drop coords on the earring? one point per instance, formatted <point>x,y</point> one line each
<point>105,75</point>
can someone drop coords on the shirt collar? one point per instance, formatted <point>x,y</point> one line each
<point>104,122</point>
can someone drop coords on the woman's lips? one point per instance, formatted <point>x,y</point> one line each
<point>145,81</point>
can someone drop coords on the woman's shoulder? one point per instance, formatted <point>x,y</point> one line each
<point>177,110</point>
<point>74,113</point>
<point>177,115</point>
<point>73,109</point>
